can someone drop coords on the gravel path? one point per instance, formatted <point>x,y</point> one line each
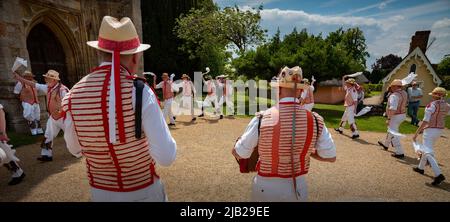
<point>206,171</point>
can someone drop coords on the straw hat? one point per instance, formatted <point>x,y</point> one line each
<point>289,77</point>
<point>305,81</point>
<point>438,91</point>
<point>221,76</point>
<point>185,76</point>
<point>118,35</point>
<point>52,74</point>
<point>396,82</point>
<point>351,81</point>
<point>28,74</point>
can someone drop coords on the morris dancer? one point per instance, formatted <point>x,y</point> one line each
<point>166,86</point>
<point>307,96</point>
<point>55,92</point>
<point>432,125</point>
<point>282,166</point>
<point>396,114</point>
<point>350,102</point>
<point>211,97</point>
<point>7,156</point>
<point>29,97</point>
<point>188,94</point>
<point>226,95</point>
<point>100,121</point>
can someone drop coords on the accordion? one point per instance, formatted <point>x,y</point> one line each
<point>248,165</point>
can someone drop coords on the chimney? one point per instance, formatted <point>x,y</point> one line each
<point>420,39</point>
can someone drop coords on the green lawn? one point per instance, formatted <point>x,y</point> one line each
<point>20,139</point>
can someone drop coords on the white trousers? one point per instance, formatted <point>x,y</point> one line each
<point>187,104</point>
<point>349,115</point>
<point>167,111</point>
<point>229,105</point>
<point>52,130</point>
<point>152,193</point>
<point>394,125</point>
<point>310,106</point>
<point>275,189</point>
<point>31,112</point>
<point>209,100</point>
<point>429,137</point>
<point>7,154</point>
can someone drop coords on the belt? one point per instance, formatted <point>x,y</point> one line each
<point>414,101</point>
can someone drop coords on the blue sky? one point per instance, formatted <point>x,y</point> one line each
<point>387,24</point>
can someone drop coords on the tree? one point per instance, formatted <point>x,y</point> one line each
<point>208,29</point>
<point>383,66</point>
<point>158,20</point>
<point>241,28</point>
<point>443,70</point>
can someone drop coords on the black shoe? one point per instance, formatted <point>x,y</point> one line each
<point>16,180</point>
<point>416,169</point>
<point>355,136</point>
<point>221,117</point>
<point>193,119</point>
<point>438,180</point>
<point>45,158</point>
<point>171,124</point>
<point>398,156</point>
<point>201,115</point>
<point>382,144</point>
<point>338,130</point>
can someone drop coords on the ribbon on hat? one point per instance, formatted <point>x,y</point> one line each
<point>115,109</point>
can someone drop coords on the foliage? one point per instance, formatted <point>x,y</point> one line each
<point>443,70</point>
<point>341,52</point>
<point>383,66</point>
<point>209,32</point>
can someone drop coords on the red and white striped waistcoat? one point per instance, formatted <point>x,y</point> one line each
<point>187,88</point>
<point>54,100</point>
<point>29,94</point>
<point>437,119</point>
<point>348,101</point>
<point>402,101</point>
<point>210,88</point>
<point>167,89</point>
<point>120,167</point>
<point>309,96</point>
<point>274,145</point>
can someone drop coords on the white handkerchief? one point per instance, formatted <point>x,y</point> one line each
<point>355,74</point>
<point>395,133</point>
<point>408,79</point>
<point>364,111</point>
<point>19,63</point>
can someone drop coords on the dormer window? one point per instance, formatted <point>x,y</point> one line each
<point>413,68</point>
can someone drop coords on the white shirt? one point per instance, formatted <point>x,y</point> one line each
<point>162,146</point>
<point>249,140</point>
<point>352,91</point>
<point>414,92</point>
<point>305,92</point>
<point>393,102</point>
<point>18,88</point>
<point>429,111</point>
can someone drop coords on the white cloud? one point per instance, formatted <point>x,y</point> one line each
<point>443,23</point>
<point>424,9</point>
<point>252,3</point>
<point>278,16</point>
<point>380,6</point>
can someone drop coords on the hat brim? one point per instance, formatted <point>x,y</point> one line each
<point>288,85</point>
<point>50,77</point>
<point>436,94</point>
<point>141,48</point>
